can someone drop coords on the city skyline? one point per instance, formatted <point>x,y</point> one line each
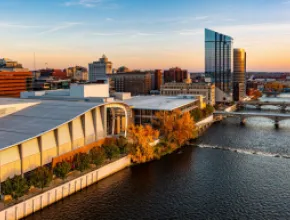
<point>143,35</point>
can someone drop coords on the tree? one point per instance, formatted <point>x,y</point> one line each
<point>122,143</point>
<point>41,177</point>
<point>142,149</point>
<point>97,155</point>
<point>197,114</point>
<point>16,187</point>
<point>111,150</point>
<point>257,94</point>
<point>208,110</point>
<point>62,169</point>
<point>81,162</point>
<point>176,127</point>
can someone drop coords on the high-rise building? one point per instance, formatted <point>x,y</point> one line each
<point>175,75</point>
<point>239,75</point>
<point>218,54</point>
<point>98,70</point>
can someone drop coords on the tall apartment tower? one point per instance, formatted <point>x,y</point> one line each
<point>239,75</point>
<point>98,70</point>
<point>218,55</point>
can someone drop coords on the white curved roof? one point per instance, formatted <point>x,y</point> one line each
<point>37,119</point>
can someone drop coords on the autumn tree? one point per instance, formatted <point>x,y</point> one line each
<point>176,127</point>
<point>257,94</point>
<point>142,149</point>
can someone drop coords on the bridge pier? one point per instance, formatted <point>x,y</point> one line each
<point>283,109</point>
<point>258,107</point>
<point>276,122</point>
<point>242,120</point>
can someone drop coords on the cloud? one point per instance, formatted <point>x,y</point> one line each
<point>190,32</point>
<point>108,34</point>
<point>198,18</point>
<point>109,19</point>
<point>22,26</point>
<point>286,2</point>
<point>90,3</point>
<point>60,27</point>
<point>129,33</point>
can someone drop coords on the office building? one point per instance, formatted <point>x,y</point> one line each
<point>218,56</point>
<point>206,90</point>
<point>175,75</point>
<point>77,73</point>
<point>14,79</point>
<point>136,82</point>
<point>98,70</point>
<point>239,75</point>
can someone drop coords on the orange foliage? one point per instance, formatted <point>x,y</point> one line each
<point>143,137</point>
<point>257,94</point>
<point>176,127</point>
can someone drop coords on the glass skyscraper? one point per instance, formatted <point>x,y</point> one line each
<point>218,55</point>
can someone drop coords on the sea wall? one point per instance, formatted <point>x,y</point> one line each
<point>49,197</point>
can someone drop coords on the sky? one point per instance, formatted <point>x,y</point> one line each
<point>142,34</point>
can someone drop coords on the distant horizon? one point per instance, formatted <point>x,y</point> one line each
<point>143,35</point>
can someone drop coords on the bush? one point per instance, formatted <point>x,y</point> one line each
<point>81,162</point>
<point>97,155</point>
<point>16,187</point>
<point>112,151</point>
<point>41,177</point>
<point>62,169</point>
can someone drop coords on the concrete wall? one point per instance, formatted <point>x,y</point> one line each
<point>89,90</point>
<point>49,197</point>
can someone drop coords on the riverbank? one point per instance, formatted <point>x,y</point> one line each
<point>66,189</point>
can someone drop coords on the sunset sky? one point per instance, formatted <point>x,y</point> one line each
<point>143,34</point>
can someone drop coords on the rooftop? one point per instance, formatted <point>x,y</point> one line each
<point>160,103</point>
<point>39,117</point>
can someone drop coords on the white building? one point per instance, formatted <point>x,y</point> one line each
<point>98,70</point>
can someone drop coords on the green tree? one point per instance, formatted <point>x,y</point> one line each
<point>81,162</point>
<point>122,143</point>
<point>97,155</point>
<point>62,169</point>
<point>197,114</point>
<point>112,150</point>
<point>16,187</point>
<point>208,110</point>
<point>41,177</point>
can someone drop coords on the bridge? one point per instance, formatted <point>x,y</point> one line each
<point>258,104</point>
<point>275,117</point>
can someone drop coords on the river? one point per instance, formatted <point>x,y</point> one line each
<point>237,172</point>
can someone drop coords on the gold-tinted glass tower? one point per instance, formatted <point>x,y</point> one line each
<point>239,76</point>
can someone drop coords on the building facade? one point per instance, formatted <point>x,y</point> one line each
<point>205,89</point>
<point>14,79</point>
<point>145,107</point>
<point>98,70</point>
<point>77,73</point>
<point>137,83</point>
<point>218,56</point>
<point>239,75</point>
<point>175,75</point>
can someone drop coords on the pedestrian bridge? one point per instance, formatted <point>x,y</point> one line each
<point>275,117</point>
